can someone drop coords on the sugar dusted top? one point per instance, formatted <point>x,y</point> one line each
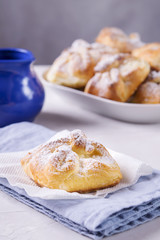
<point>67,151</point>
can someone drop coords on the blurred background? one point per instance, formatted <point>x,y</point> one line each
<point>46,27</point>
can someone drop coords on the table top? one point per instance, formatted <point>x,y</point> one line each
<point>18,221</point>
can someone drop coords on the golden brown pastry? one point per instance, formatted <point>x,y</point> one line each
<point>119,83</point>
<point>98,50</point>
<point>150,53</point>
<point>116,38</point>
<point>75,66</point>
<point>109,61</point>
<point>149,91</point>
<point>72,162</point>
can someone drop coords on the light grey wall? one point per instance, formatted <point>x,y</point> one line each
<point>48,26</point>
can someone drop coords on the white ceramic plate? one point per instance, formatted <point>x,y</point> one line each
<point>129,112</point>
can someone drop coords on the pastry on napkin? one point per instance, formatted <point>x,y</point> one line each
<point>70,161</point>
<point>125,206</point>
<point>131,169</point>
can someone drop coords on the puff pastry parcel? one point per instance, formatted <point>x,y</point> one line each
<point>150,53</point>
<point>75,66</point>
<point>119,83</point>
<point>72,162</point>
<point>149,91</point>
<point>116,38</point>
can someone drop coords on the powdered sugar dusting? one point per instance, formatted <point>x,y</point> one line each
<point>151,89</point>
<point>102,48</point>
<point>135,40</point>
<point>80,57</point>
<point>128,67</point>
<point>90,52</point>
<point>67,150</point>
<point>102,83</point>
<point>154,76</point>
<point>148,92</point>
<point>80,43</point>
<point>114,74</point>
<point>60,135</point>
<point>77,56</point>
<point>80,139</point>
<point>62,158</point>
<point>103,80</point>
<point>107,60</point>
<point>155,47</point>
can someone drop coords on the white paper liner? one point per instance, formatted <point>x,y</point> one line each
<point>10,168</point>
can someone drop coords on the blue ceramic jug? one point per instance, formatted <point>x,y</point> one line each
<point>21,93</point>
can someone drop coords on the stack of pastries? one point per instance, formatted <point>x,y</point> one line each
<point>116,67</point>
